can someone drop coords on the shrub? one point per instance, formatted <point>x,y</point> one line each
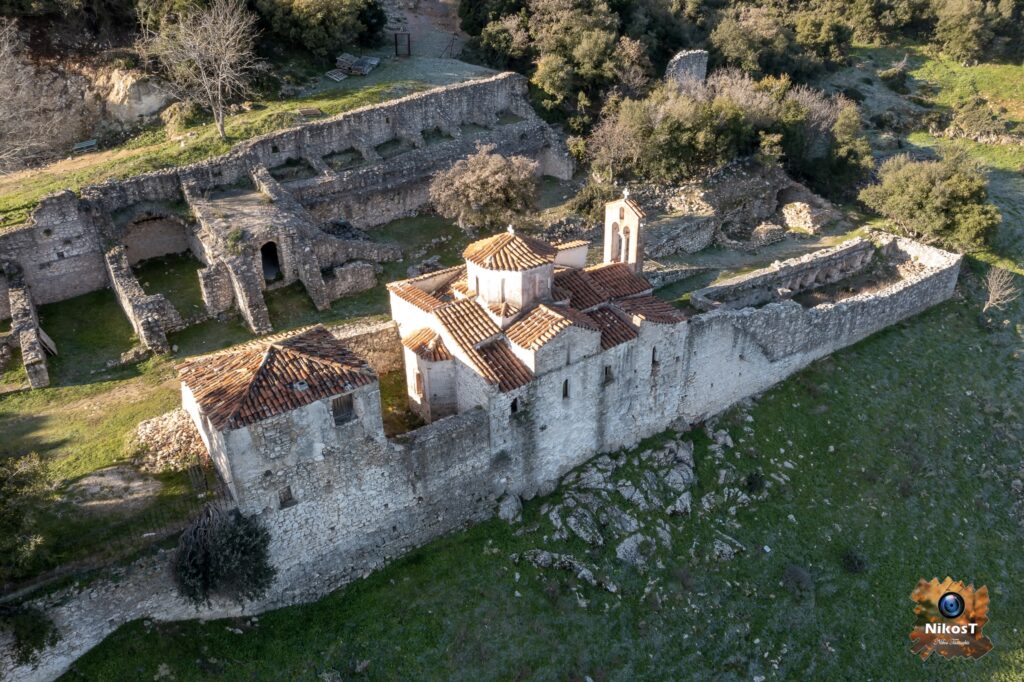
<point>853,561</point>
<point>32,630</point>
<point>944,201</point>
<point>485,190</point>
<point>895,77</point>
<point>23,489</point>
<point>180,116</point>
<point>325,27</point>
<point>223,553</point>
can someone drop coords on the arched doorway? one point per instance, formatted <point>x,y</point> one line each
<point>271,262</point>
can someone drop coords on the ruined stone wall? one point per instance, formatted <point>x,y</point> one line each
<point>62,248</point>
<point>151,315</point>
<point>783,279</point>
<point>377,343</point>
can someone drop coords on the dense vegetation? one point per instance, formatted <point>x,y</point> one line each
<point>577,51</point>
<point>671,134</point>
<point>944,201</point>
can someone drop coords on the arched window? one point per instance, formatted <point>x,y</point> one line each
<point>624,241</point>
<point>622,212</point>
<point>477,285</point>
<point>515,405</point>
<point>565,389</point>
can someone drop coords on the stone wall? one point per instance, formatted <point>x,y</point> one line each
<point>787,278</point>
<point>151,315</point>
<point>376,342</point>
<point>687,67</point>
<point>361,507</point>
<point>62,249</point>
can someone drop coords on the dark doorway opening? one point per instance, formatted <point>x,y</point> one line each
<point>271,263</point>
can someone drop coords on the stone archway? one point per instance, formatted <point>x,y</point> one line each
<point>271,261</point>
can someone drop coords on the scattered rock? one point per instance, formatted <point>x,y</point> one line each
<point>510,509</point>
<point>168,442</point>
<point>635,550</point>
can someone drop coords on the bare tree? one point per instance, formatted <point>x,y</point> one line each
<point>208,55</point>
<point>1001,289</point>
<point>27,109</point>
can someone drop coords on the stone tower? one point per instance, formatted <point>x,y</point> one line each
<point>623,232</point>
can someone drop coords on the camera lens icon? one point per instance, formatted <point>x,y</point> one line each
<point>951,605</point>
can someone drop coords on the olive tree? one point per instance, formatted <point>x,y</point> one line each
<point>485,190</point>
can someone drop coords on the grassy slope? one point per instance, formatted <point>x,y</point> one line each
<point>924,420</point>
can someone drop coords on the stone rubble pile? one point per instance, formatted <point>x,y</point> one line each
<point>167,443</point>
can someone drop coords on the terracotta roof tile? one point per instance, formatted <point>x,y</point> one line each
<point>544,323</point>
<point>510,251</point>
<point>651,309</point>
<point>427,344</point>
<point>271,376</point>
<point>614,330</point>
<point>618,280</point>
<point>467,323</point>
<point>416,296</point>
<point>504,368</point>
<point>636,207</point>
<point>503,309</point>
<point>574,244</point>
<point>583,291</point>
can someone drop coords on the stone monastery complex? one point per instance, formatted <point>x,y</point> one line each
<point>524,362</point>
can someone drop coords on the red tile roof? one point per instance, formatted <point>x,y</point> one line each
<point>503,309</point>
<point>416,296</point>
<point>613,329</point>
<point>574,244</point>
<point>271,376</point>
<point>427,344</point>
<point>636,207</point>
<point>544,323</point>
<point>503,367</point>
<point>583,291</point>
<point>618,280</point>
<point>509,251</point>
<point>651,309</point>
<point>467,323</point>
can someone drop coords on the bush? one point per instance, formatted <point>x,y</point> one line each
<point>944,202</point>
<point>853,561</point>
<point>325,27</point>
<point>485,190</point>
<point>223,553</point>
<point>895,77</point>
<point>32,630</point>
<point>180,116</point>
<point>23,491</point>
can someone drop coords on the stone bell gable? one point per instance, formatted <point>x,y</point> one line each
<point>623,237</point>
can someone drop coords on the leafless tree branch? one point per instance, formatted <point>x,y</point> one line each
<point>207,55</point>
<point>1001,289</point>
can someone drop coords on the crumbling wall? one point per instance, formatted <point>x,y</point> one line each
<point>62,248</point>
<point>151,316</point>
<point>25,329</point>
<point>785,279</point>
<point>376,342</point>
<point>687,67</point>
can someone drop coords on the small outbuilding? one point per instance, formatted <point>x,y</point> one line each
<point>270,404</point>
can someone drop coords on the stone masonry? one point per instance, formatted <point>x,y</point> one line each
<point>262,215</point>
<point>340,499</point>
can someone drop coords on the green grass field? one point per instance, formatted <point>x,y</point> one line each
<point>904,448</point>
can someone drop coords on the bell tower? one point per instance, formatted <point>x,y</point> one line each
<point>623,232</point>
